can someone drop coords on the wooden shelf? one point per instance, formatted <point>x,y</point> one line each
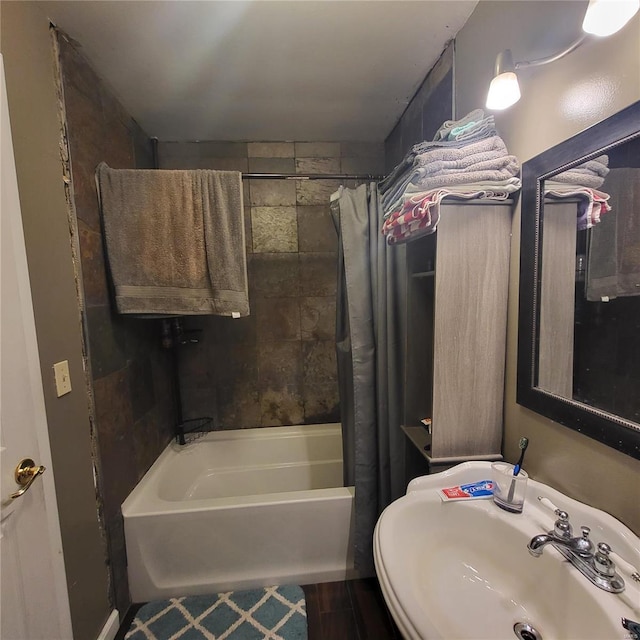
<point>421,440</point>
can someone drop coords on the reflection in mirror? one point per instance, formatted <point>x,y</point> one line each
<point>589,342</point>
<point>579,338</point>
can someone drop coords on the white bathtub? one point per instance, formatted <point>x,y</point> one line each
<point>241,509</point>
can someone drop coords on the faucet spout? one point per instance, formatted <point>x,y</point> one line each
<point>538,543</point>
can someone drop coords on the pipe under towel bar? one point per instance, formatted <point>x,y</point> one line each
<point>308,176</point>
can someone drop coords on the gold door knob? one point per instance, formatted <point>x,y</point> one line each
<point>26,473</point>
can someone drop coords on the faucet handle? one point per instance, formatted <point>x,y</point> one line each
<point>562,527</point>
<point>584,546</point>
<point>545,502</point>
<point>601,561</point>
<point>624,566</point>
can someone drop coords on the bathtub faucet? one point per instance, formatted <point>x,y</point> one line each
<point>596,565</point>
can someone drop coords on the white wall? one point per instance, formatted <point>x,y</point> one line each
<point>558,101</point>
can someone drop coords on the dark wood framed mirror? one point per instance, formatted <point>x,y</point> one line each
<point>579,307</point>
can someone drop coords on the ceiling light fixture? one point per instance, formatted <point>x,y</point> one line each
<point>603,18</point>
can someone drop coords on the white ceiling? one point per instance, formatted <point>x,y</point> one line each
<point>262,70</point>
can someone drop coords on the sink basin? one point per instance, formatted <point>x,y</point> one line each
<point>462,570</point>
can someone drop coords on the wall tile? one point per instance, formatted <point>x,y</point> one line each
<point>393,149</point>
<point>118,140</point>
<point>113,110</point>
<point>277,319</point>
<point>107,341</point>
<point>274,275</point>
<point>113,417</point>
<point>222,329</point>
<point>141,389</point>
<point>118,152</point>
<point>282,407</point>
<point>317,165</point>
<point>234,364</point>
<point>147,443</point>
<point>272,165</point>
<point>248,236</point>
<point>238,407</point>
<point>318,274</point>
<point>94,277</point>
<point>84,187</point>
<point>271,149</point>
<point>362,149</point>
<point>319,363</point>
<point>163,384</point>
<point>316,231</point>
<point>373,165</point>
<point>438,106</point>
<point>76,72</point>
<point>315,191</point>
<point>117,555</point>
<point>86,114</point>
<point>274,229</point>
<point>272,193</point>
<point>142,338</point>
<point>178,162</point>
<point>411,125</point>
<point>321,403</point>
<point>279,365</point>
<point>198,403</point>
<point>317,149</point>
<point>170,151</point>
<point>142,149</point>
<point>216,149</point>
<point>87,150</point>
<point>223,164</point>
<point>318,318</point>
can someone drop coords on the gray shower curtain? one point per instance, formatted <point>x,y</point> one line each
<point>369,343</point>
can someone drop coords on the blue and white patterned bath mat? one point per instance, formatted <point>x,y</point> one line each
<point>272,613</point>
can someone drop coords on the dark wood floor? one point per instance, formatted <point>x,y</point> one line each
<point>351,610</point>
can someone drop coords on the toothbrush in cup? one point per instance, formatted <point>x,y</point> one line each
<point>523,444</point>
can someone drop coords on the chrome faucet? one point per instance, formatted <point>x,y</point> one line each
<point>596,565</point>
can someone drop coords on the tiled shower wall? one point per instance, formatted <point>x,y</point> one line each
<point>277,366</point>
<point>132,411</point>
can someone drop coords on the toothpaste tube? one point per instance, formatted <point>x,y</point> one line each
<point>471,491</point>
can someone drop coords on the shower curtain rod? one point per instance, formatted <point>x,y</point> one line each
<point>309,176</point>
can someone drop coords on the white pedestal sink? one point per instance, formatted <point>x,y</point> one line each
<point>462,569</point>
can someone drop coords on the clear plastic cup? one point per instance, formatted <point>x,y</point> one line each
<point>508,490</point>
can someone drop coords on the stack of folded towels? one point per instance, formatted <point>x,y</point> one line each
<point>465,160</point>
<point>583,182</point>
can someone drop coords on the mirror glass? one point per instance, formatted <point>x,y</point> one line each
<point>579,333</point>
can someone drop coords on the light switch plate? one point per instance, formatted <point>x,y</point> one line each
<point>62,378</point>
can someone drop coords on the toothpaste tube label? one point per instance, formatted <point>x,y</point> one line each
<point>481,489</point>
